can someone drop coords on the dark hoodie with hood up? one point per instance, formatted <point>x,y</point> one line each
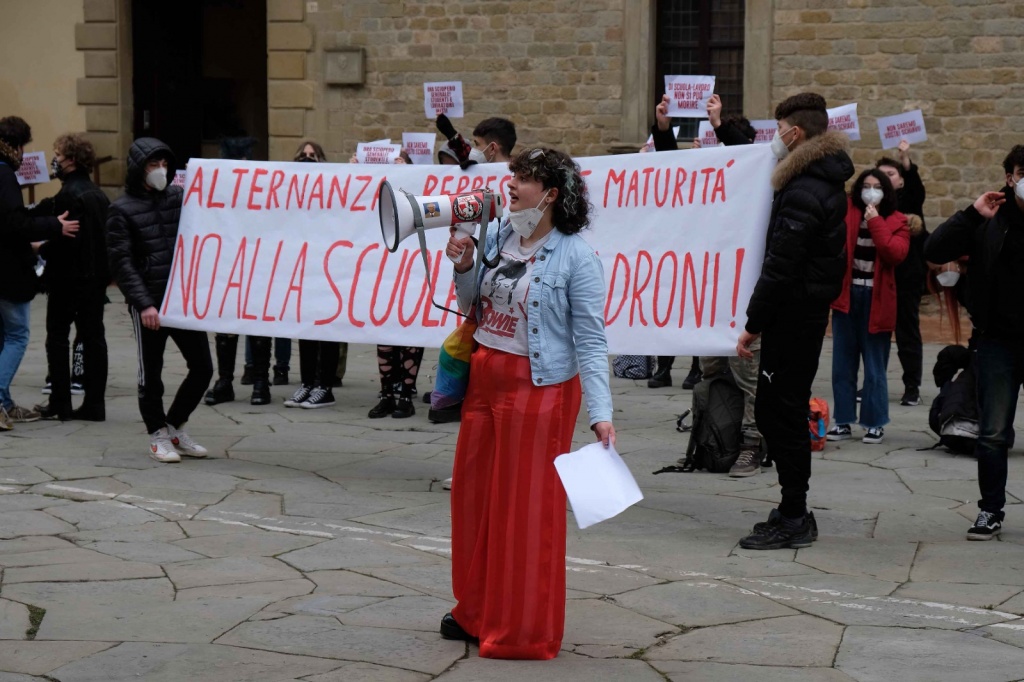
<point>142,226</point>
<point>805,255</point>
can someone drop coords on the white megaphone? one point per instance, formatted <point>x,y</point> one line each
<point>400,212</point>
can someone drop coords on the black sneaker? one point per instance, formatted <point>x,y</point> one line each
<point>775,517</point>
<point>222,392</point>
<point>911,398</point>
<point>783,533</point>
<point>47,389</point>
<point>299,397</point>
<point>77,388</point>
<point>692,379</point>
<point>318,397</point>
<point>986,527</point>
<point>450,629</point>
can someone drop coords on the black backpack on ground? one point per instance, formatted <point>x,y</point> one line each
<point>634,366</point>
<point>954,412</point>
<point>716,435</point>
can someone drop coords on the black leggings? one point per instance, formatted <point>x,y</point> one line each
<point>398,366</point>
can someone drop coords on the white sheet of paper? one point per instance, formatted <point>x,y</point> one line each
<point>371,152</point>
<point>179,178</point>
<point>907,126</point>
<point>420,146</point>
<point>689,95</point>
<point>597,483</point>
<point>706,135</point>
<point>845,120</point>
<point>443,98</point>
<point>33,170</point>
<point>766,128</point>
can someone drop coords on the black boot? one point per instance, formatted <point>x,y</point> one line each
<point>384,408</point>
<point>280,376</point>
<point>663,373</point>
<point>260,392</point>
<point>90,413</point>
<point>694,377</point>
<point>403,407</point>
<point>226,346</point>
<point>261,347</point>
<point>54,412</point>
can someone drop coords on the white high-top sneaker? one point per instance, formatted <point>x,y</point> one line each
<point>184,443</point>
<point>161,448</point>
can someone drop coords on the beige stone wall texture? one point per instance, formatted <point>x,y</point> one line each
<point>960,61</point>
<point>554,67</point>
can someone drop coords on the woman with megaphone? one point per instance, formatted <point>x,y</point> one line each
<point>540,316</point>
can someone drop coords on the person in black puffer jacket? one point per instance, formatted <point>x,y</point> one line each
<point>18,281</point>
<point>141,230</point>
<point>803,270</point>
<point>76,279</point>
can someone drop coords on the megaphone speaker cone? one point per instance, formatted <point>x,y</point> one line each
<point>389,218</point>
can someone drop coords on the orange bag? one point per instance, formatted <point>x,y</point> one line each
<point>817,422</point>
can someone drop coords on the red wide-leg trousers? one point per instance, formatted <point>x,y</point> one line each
<point>508,508</point>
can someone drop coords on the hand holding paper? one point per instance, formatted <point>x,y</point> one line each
<point>597,483</point>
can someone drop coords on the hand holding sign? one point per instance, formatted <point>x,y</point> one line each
<point>715,111</point>
<point>689,95</point>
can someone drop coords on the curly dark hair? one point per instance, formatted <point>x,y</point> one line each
<point>742,124</point>
<point>15,131</point>
<point>75,147</point>
<point>888,204</point>
<point>1014,158</point>
<point>555,169</point>
<point>806,110</point>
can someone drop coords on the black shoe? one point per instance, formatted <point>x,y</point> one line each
<point>692,379</point>
<point>911,397</point>
<point>52,413</point>
<point>280,377</point>
<point>222,392</point>
<point>781,534</point>
<point>660,380</point>
<point>384,408</point>
<point>318,397</point>
<point>426,397</point>
<point>247,376</point>
<point>89,413</point>
<point>260,392</point>
<point>336,383</point>
<point>446,415</point>
<point>987,526</point>
<point>775,517</point>
<point>403,407</point>
<point>450,629</point>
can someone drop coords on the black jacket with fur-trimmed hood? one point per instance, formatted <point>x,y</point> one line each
<point>805,254</point>
<point>142,226</point>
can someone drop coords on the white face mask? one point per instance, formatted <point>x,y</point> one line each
<point>779,146</point>
<point>948,278</point>
<point>1018,189</point>
<point>525,221</point>
<point>871,196</point>
<point>157,179</point>
<point>477,155</point>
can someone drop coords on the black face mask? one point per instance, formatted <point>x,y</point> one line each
<point>305,159</point>
<point>55,170</point>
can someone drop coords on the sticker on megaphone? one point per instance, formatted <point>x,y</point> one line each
<point>398,216</point>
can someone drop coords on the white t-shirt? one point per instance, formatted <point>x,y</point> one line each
<point>503,292</point>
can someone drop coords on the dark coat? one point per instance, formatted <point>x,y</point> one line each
<point>805,253</point>
<point>910,274</point>
<point>142,226</point>
<point>84,258</point>
<point>727,133</point>
<point>968,233</point>
<point>18,229</point>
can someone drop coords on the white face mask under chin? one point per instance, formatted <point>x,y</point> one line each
<point>525,221</point>
<point>157,179</point>
<point>948,278</point>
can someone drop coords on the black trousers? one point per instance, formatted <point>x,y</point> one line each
<point>908,335</point>
<point>790,350</point>
<point>195,348</point>
<point>318,362</point>
<point>79,303</point>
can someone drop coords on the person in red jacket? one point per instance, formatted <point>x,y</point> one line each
<point>864,314</point>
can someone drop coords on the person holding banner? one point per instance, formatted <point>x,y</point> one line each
<point>864,315</point>
<point>18,282</point>
<point>541,331</point>
<point>142,226</point>
<point>802,273</point>
<point>911,274</point>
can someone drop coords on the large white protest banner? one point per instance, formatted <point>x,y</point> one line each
<point>689,95</point>
<point>845,120</point>
<point>294,249</point>
<point>907,126</point>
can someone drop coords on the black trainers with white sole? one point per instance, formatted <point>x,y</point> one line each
<point>839,432</point>
<point>318,397</point>
<point>986,527</point>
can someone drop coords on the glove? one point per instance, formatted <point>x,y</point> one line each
<point>456,142</point>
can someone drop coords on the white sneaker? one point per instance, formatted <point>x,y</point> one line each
<point>184,443</point>
<point>446,484</point>
<point>161,448</point>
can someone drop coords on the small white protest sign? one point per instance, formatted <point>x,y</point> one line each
<point>706,135</point>
<point>372,152</point>
<point>443,98</point>
<point>33,169</point>
<point>766,129</point>
<point>419,146</point>
<point>689,95</point>
<point>179,178</point>
<point>844,119</point>
<point>907,126</point>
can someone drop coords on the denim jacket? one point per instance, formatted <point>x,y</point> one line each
<point>566,331</point>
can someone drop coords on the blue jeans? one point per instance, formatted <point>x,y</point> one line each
<point>1000,368</point>
<point>850,342</point>
<point>13,342</point>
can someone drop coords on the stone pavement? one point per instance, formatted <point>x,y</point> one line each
<point>313,545</point>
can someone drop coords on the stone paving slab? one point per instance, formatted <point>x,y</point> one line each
<point>682,671</point>
<point>41,658</point>
<point>246,544</point>
<point>368,672</point>
<point>14,620</point>
<point>699,604</point>
<point>97,570</point>
<point>565,668</point>
<point>19,523</point>
<point>228,571</point>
